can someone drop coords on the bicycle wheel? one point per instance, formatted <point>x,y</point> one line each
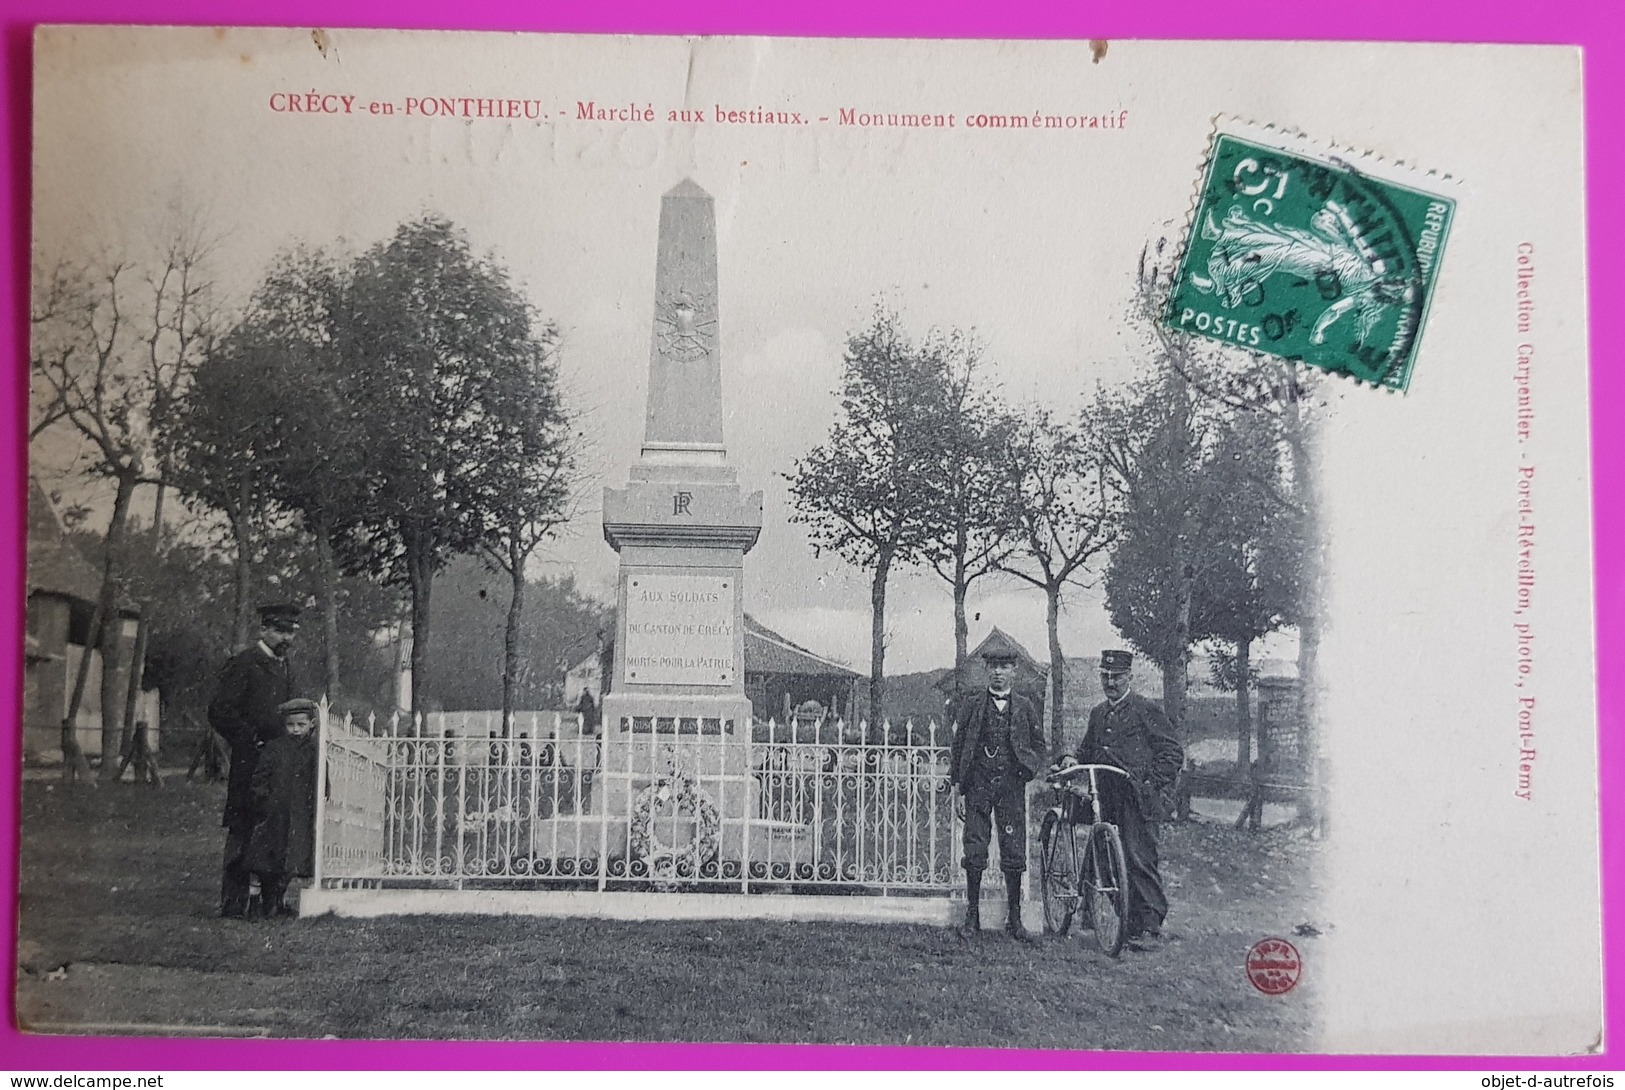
<point>1058,874</point>
<point>1105,888</point>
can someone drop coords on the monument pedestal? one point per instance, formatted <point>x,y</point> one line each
<point>675,714</point>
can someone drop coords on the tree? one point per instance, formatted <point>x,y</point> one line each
<point>1252,583</point>
<point>971,522</point>
<point>433,340</point>
<point>116,347</point>
<point>318,463</point>
<point>1069,506</point>
<point>1160,451</point>
<point>221,447</point>
<point>1253,382</point>
<point>865,494</point>
<point>471,627</point>
<point>532,496</point>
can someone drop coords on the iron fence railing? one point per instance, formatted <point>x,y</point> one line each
<point>665,805</point>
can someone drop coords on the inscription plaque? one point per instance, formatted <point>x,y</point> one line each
<point>680,629</point>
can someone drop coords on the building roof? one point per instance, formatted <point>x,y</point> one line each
<point>767,652</point>
<point>55,564</point>
<point>999,640</point>
<point>1027,667</point>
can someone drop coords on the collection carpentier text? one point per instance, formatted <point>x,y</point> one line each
<point>533,109</point>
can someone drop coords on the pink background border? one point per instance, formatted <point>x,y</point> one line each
<point>1499,21</point>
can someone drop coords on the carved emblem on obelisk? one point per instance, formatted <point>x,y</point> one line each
<point>686,325</point>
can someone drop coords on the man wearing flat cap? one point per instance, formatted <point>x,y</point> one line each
<point>1131,732</point>
<point>998,747</point>
<point>252,685</point>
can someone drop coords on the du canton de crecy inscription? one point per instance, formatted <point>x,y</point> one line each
<point>680,629</point>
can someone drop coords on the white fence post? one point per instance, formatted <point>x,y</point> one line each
<point>323,737</point>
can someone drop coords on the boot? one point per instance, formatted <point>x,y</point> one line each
<point>1012,923</point>
<point>273,899</point>
<point>973,904</point>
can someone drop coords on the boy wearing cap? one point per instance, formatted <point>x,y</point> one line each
<point>252,685</point>
<point>1131,732</point>
<point>998,746</point>
<point>283,792</point>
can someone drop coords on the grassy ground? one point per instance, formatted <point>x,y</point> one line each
<point>118,926</point>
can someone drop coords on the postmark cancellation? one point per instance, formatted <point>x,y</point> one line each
<point>1313,255</point>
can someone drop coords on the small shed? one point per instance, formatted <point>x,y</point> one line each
<point>1031,680</point>
<point>782,677</point>
<point>62,592</point>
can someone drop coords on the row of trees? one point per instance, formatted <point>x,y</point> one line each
<point>1188,491</point>
<point>392,410</point>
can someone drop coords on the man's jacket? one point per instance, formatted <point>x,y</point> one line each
<point>1136,737</point>
<point>1026,734</point>
<point>251,686</point>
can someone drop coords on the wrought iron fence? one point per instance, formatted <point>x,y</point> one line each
<point>664,805</point>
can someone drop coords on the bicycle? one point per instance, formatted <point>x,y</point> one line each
<point>1082,861</point>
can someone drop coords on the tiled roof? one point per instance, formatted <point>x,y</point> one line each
<point>55,564</point>
<point>1027,667</point>
<point>767,652</point>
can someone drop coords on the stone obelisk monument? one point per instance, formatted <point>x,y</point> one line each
<point>681,525</point>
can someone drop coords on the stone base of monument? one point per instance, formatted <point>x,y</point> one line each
<point>936,910</point>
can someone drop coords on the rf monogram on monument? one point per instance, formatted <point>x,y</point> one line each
<point>679,502</point>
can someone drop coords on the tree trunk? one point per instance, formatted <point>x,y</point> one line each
<point>138,654</point>
<point>421,576</point>
<point>1173,674</point>
<point>1306,474</point>
<point>877,641</point>
<point>961,626</point>
<point>112,631</point>
<point>510,636</point>
<point>1173,695</point>
<point>1244,707</point>
<point>328,575</point>
<point>241,569</point>
<point>74,766</point>
<point>1057,669</point>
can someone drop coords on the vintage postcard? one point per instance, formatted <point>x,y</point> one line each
<point>1069,545</point>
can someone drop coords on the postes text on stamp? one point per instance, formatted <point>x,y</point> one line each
<point>1310,257</point>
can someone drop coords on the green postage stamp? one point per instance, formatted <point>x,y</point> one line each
<point>1311,257</point>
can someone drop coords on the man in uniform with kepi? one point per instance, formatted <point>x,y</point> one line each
<point>1131,732</point>
<point>998,747</point>
<point>253,684</point>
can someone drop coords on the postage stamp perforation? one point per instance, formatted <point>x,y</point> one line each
<point>1330,148</point>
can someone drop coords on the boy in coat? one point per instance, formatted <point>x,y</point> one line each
<point>283,790</point>
<point>998,746</point>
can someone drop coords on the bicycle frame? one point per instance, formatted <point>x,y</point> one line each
<point>1093,879</point>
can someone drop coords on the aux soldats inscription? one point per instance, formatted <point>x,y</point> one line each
<point>680,630</point>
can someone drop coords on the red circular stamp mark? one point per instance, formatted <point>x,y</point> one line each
<point>1273,966</point>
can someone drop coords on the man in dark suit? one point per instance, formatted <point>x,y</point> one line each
<point>1131,732</point>
<point>998,746</point>
<point>252,685</point>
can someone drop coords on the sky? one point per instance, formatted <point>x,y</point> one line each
<point>1028,239</point>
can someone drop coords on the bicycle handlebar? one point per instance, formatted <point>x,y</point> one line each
<point>1072,772</point>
